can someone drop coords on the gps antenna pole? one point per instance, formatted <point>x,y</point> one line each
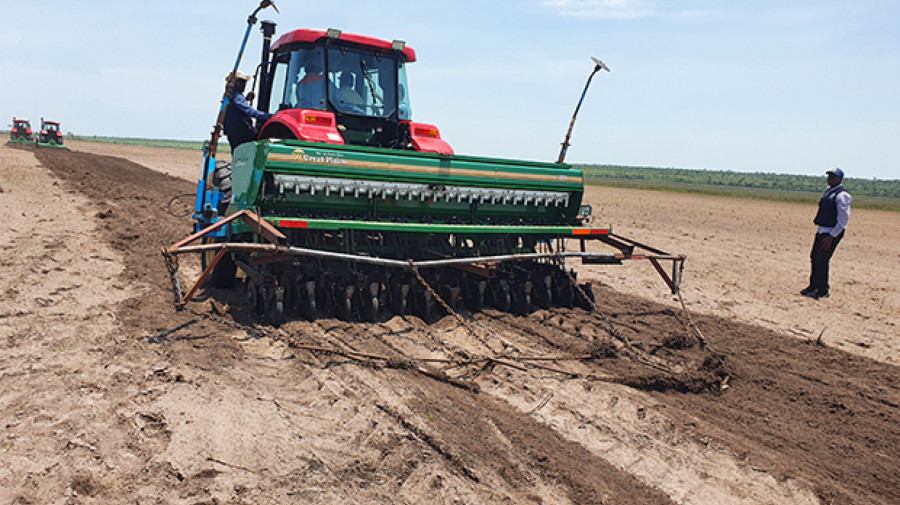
<point>203,209</point>
<point>598,66</point>
<point>229,86</point>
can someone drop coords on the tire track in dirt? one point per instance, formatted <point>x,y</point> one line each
<point>643,459</point>
<point>826,416</point>
<point>449,419</point>
<point>627,430</point>
<point>73,392</point>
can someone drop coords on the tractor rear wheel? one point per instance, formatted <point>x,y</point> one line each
<point>223,275</point>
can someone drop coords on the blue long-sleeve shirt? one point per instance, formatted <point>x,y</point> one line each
<point>239,101</point>
<point>238,122</point>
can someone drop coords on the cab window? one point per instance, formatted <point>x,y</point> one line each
<point>304,83</point>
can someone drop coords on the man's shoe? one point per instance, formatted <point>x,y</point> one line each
<point>808,291</point>
<point>822,294</point>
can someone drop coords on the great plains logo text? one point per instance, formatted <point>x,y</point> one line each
<point>300,155</point>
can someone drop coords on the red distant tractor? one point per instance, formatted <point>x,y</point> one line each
<point>50,134</point>
<point>21,131</point>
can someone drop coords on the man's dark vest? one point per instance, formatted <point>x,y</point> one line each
<point>827,215</point>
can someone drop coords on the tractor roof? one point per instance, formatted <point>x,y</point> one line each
<point>310,36</point>
<point>52,122</point>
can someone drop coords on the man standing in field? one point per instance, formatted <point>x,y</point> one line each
<point>832,218</point>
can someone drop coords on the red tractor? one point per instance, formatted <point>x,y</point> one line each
<point>21,131</point>
<point>50,134</point>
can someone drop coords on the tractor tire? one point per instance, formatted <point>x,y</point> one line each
<point>224,274</point>
<point>222,180</point>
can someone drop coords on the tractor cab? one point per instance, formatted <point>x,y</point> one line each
<point>340,88</point>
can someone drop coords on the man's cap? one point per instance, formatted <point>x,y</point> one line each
<point>836,171</point>
<point>240,76</point>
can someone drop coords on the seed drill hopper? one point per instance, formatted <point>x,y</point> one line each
<point>345,206</point>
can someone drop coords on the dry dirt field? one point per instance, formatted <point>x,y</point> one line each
<point>108,395</point>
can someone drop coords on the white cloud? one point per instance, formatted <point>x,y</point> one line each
<point>604,9</point>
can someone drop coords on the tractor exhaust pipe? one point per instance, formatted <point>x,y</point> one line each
<point>598,66</point>
<point>265,78</point>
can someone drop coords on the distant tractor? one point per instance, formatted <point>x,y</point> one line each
<point>20,132</point>
<point>50,135</point>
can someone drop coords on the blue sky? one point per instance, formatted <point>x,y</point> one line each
<point>758,86</point>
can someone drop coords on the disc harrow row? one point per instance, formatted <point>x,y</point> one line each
<point>323,288</point>
<point>288,281</point>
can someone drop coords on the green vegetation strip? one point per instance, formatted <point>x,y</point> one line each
<point>867,193</point>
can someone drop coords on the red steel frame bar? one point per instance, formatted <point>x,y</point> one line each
<point>276,252</point>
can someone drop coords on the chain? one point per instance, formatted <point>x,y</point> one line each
<point>698,333</point>
<point>634,352</point>
<point>611,328</point>
<point>574,283</point>
<point>446,306</point>
<point>434,295</point>
<point>172,266</point>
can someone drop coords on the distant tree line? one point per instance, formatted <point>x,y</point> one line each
<point>674,177</point>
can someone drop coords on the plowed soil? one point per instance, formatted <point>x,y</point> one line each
<point>110,395</point>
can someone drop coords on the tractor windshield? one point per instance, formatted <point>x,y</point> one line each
<point>362,83</point>
<point>351,81</point>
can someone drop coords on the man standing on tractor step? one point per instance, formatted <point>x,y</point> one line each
<point>239,115</point>
<point>832,218</point>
